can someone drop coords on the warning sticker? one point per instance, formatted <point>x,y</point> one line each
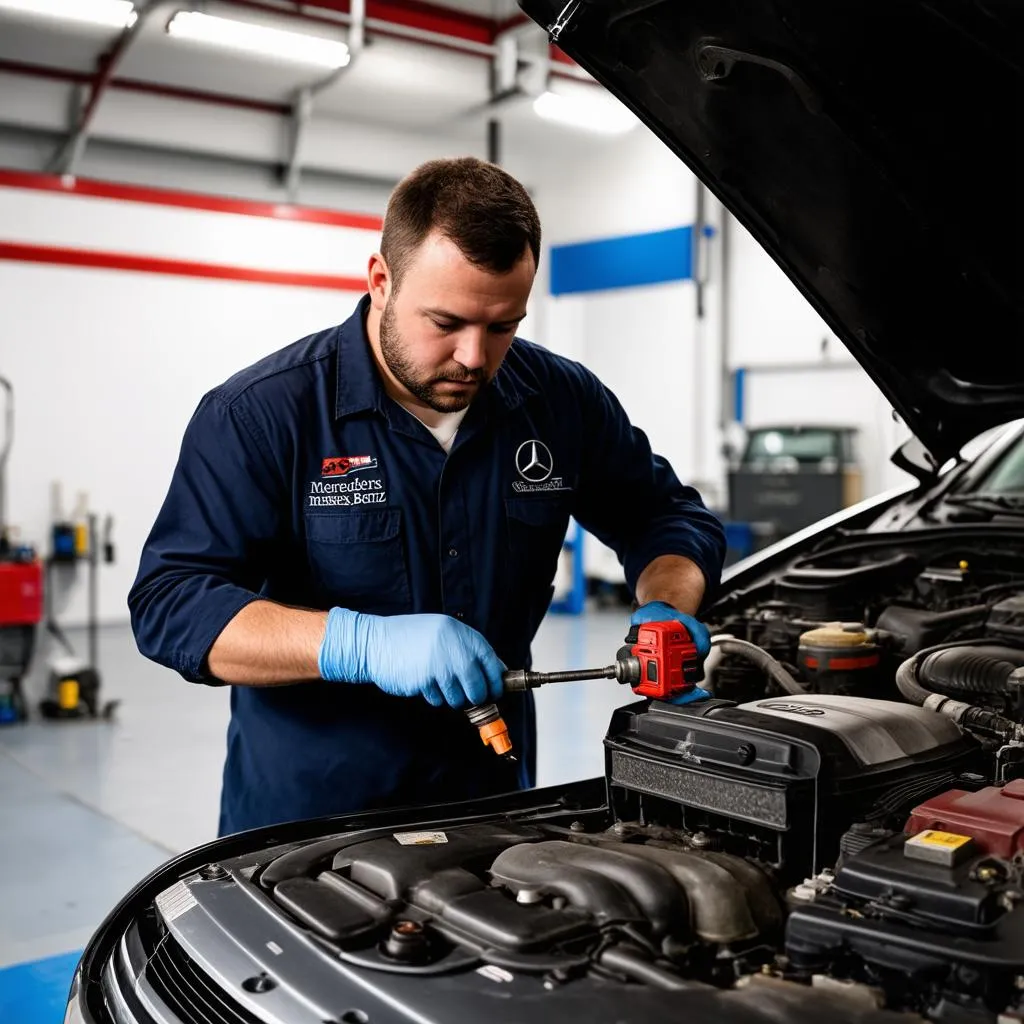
<point>421,838</point>
<point>174,902</point>
<point>948,840</point>
<point>945,848</point>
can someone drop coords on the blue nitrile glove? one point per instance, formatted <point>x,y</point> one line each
<point>438,657</point>
<point>697,693</point>
<point>659,611</point>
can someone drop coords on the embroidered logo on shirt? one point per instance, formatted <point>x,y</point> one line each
<point>347,464</point>
<point>332,491</point>
<point>534,461</point>
<point>535,464</point>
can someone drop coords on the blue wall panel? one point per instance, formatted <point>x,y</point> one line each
<point>626,262</point>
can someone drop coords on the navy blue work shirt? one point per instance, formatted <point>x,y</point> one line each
<point>300,481</point>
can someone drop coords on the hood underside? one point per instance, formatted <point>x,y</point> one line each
<point>873,149</point>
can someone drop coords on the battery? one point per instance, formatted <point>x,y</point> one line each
<point>994,816</point>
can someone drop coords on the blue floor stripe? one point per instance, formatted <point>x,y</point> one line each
<point>37,992</point>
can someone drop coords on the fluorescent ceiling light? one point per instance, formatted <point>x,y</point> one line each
<point>605,115</point>
<point>112,13</point>
<point>268,42</point>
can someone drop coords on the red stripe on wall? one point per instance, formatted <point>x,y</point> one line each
<point>23,253</point>
<point>559,55</point>
<point>186,200</point>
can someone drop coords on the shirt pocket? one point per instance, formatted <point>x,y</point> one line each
<point>536,532</point>
<point>357,560</point>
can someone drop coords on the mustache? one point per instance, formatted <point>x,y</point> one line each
<point>461,375</point>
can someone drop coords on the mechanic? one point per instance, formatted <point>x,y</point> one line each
<point>362,529</point>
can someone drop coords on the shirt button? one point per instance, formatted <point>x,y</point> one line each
<point>453,553</point>
<point>460,615</point>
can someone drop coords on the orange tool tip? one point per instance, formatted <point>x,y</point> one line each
<point>495,735</point>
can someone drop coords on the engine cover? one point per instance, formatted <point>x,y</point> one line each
<point>874,732</point>
<point>788,774</point>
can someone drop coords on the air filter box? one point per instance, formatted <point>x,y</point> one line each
<point>785,777</point>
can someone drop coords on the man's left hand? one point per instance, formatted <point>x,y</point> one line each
<point>659,611</point>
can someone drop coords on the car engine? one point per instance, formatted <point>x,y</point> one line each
<point>789,856</point>
<point>838,829</point>
<point>842,620</point>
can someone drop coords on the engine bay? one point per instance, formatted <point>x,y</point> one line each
<point>838,829</point>
<point>842,620</point>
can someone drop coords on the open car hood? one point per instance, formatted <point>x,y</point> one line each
<point>874,150</point>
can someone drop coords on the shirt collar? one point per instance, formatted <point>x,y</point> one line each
<point>509,388</point>
<point>359,386</point>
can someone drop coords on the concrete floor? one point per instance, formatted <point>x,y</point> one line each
<point>89,808</point>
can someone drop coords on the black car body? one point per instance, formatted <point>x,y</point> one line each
<point>839,831</point>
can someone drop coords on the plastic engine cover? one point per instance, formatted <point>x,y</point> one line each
<point>875,732</point>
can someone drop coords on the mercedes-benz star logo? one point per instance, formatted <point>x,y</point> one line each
<point>534,461</point>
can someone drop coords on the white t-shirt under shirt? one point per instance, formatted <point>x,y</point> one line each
<point>445,431</point>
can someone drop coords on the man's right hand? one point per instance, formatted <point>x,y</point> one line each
<point>438,657</point>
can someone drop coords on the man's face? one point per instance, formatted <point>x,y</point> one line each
<point>446,330</point>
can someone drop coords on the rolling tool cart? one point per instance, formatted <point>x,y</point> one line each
<point>21,589</point>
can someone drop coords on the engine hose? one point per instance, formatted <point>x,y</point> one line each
<point>634,966</point>
<point>907,684</point>
<point>967,716</point>
<point>964,670</point>
<point>761,658</point>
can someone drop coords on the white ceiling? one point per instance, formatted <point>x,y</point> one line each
<point>401,82</point>
<point>71,46</point>
<point>396,85</point>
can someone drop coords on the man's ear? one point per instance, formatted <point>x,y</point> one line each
<point>378,282</point>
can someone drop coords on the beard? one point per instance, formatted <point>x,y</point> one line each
<point>425,387</point>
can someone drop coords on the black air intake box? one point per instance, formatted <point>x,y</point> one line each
<point>778,772</point>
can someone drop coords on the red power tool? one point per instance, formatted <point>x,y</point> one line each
<point>659,660</point>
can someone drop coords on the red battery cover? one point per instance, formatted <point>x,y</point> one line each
<point>993,817</point>
<point>668,660</point>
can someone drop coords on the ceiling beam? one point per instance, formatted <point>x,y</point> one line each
<point>302,109</point>
<point>52,74</point>
<point>412,20</point>
<point>69,154</point>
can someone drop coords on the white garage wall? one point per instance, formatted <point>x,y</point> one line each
<point>113,225</point>
<point>641,342</point>
<point>770,321</point>
<point>108,365</point>
<point>104,160</point>
<point>841,396</point>
<point>646,343</point>
<point>797,371</point>
<point>619,186</point>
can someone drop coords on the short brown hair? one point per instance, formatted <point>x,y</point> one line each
<point>480,207</point>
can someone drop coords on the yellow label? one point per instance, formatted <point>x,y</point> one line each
<point>949,840</point>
